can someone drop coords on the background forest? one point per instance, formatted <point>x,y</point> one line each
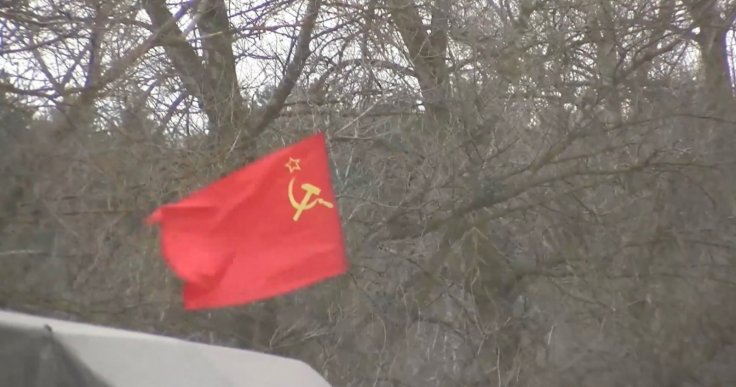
<point>534,193</point>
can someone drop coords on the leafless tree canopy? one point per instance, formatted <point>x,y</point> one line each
<point>534,193</point>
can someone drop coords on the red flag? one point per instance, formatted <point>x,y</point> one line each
<point>267,229</point>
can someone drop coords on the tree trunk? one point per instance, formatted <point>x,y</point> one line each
<point>230,109</point>
<point>711,39</point>
<point>603,34</point>
<point>427,52</point>
<point>213,80</point>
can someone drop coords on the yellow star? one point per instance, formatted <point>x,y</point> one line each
<point>293,165</point>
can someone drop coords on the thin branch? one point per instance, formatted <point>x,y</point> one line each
<point>292,73</point>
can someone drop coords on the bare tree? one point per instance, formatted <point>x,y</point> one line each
<point>534,193</point>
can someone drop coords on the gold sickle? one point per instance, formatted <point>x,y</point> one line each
<point>309,191</point>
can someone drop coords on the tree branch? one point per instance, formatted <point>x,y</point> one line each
<point>294,69</point>
<point>181,54</point>
<point>401,70</point>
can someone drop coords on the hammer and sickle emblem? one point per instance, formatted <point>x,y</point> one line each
<point>310,192</point>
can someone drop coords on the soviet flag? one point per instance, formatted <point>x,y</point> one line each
<point>267,229</point>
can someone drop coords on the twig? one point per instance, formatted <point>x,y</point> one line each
<point>10,253</point>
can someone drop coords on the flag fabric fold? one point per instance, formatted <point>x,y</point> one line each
<point>269,228</point>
